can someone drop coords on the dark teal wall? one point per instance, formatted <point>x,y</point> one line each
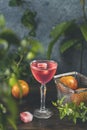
<point>49,13</point>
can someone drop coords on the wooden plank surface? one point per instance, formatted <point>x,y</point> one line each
<point>54,123</point>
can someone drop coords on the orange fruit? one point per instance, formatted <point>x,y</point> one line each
<point>70,82</point>
<point>77,98</point>
<point>20,89</point>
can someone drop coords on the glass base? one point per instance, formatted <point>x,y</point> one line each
<point>43,114</point>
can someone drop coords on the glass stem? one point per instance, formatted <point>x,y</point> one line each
<point>43,96</point>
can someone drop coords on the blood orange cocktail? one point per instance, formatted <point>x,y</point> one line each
<point>43,71</point>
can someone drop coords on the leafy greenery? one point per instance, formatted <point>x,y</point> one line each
<point>8,108</point>
<point>70,34</point>
<point>71,110</point>
<point>9,36</point>
<point>28,20</point>
<point>57,31</point>
<point>17,54</point>
<point>73,34</point>
<point>28,17</point>
<point>71,30</point>
<point>15,2</point>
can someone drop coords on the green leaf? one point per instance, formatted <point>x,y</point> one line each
<point>12,80</point>
<point>31,55</point>
<point>56,33</point>
<point>50,47</point>
<point>32,47</point>
<point>15,2</point>
<point>3,44</point>
<point>84,30</point>
<point>10,36</point>
<point>68,44</point>
<point>28,20</point>
<point>36,46</point>
<point>11,122</point>
<point>8,108</point>
<point>2,21</point>
<point>71,110</point>
<point>59,29</point>
<point>3,47</point>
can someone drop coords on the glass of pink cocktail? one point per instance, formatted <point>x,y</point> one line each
<point>43,71</point>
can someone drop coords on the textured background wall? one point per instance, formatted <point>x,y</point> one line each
<point>49,13</point>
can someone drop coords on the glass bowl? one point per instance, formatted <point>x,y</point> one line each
<point>63,90</point>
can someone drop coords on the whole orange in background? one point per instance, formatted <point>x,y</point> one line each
<point>20,89</point>
<point>70,81</point>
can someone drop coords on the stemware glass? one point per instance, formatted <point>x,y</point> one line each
<point>43,71</point>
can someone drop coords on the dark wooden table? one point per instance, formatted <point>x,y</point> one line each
<point>54,123</point>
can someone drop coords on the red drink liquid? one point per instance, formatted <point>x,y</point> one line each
<point>43,71</point>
